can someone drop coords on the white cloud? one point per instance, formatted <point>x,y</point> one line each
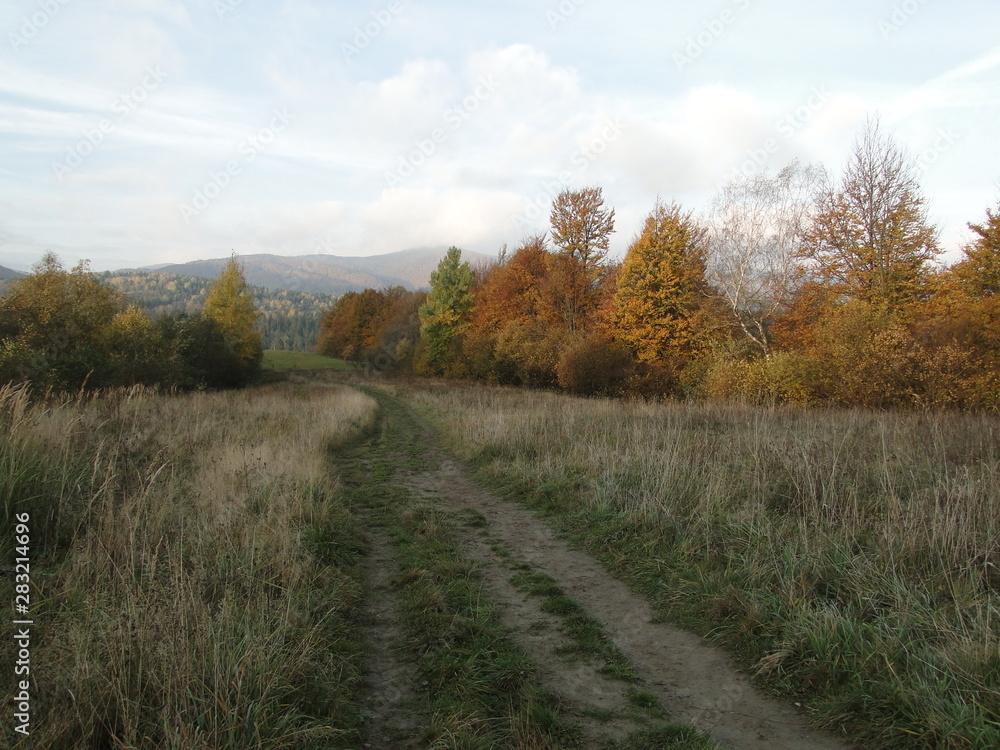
<point>469,218</point>
<point>518,105</point>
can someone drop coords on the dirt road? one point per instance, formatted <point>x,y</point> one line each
<point>693,683</point>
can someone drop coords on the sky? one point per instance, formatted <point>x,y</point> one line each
<point>142,132</point>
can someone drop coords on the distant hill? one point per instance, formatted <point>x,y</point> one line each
<point>7,274</point>
<point>328,274</point>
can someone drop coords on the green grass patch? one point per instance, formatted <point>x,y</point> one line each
<point>584,633</point>
<point>284,361</point>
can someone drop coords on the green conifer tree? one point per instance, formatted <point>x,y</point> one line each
<point>446,312</point>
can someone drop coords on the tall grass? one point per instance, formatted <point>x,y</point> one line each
<point>194,570</point>
<point>846,556</point>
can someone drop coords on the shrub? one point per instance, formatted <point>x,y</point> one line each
<point>784,377</point>
<point>592,365</point>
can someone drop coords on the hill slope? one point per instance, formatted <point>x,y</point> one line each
<point>7,273</point>
<point>329,274</point>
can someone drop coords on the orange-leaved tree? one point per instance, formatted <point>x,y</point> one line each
<point>662,288</point>
<point>581,231</point>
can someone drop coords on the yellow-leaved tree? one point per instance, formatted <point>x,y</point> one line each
<point>871,238</point>
<point>230,307</point>
<point>581,231</point>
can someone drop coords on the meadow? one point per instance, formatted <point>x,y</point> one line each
<point>285,361</point>
<point>850,559</point>
<point>195,576</point>
<point>198,560</point>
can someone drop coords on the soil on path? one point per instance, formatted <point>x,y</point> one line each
<point>695,683</point>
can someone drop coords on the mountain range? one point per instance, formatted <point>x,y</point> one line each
<point>328,274</point>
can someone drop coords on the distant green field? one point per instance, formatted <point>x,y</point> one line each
<point>279,361</point>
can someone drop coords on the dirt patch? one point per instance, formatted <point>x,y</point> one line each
<point>696,683</point>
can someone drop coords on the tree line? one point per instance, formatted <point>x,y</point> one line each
<point>289,320</point>
<point>792,287</point>
<point>71,330</point>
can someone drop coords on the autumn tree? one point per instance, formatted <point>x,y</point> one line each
<point>871,238</point>
<point>341,329</point>
<point>979,269</point>
<point>399,335</point>
<point>661,287</point>
<point>959,326</point>
<point>230,305</point>
<point>54,311</point>
<point>581,231</point>
<point>510,289</point>
<point>377,328</point>
<point>445,313</point>
<point>52,325</point>
<point>507,333</point>
<point>756,226</point>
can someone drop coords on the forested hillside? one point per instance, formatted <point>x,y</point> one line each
<point>289,320</point>
<point>326,273</point>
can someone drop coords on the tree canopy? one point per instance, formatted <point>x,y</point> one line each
<point>445,313</point>
<point>871,238</point>
<point>661,286</point>
<point>230,305</point>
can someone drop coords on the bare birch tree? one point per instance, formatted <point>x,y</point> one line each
<point>756,226</point>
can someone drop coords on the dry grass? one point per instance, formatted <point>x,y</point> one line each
<point>194,571</point>
<point>850,556</point>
